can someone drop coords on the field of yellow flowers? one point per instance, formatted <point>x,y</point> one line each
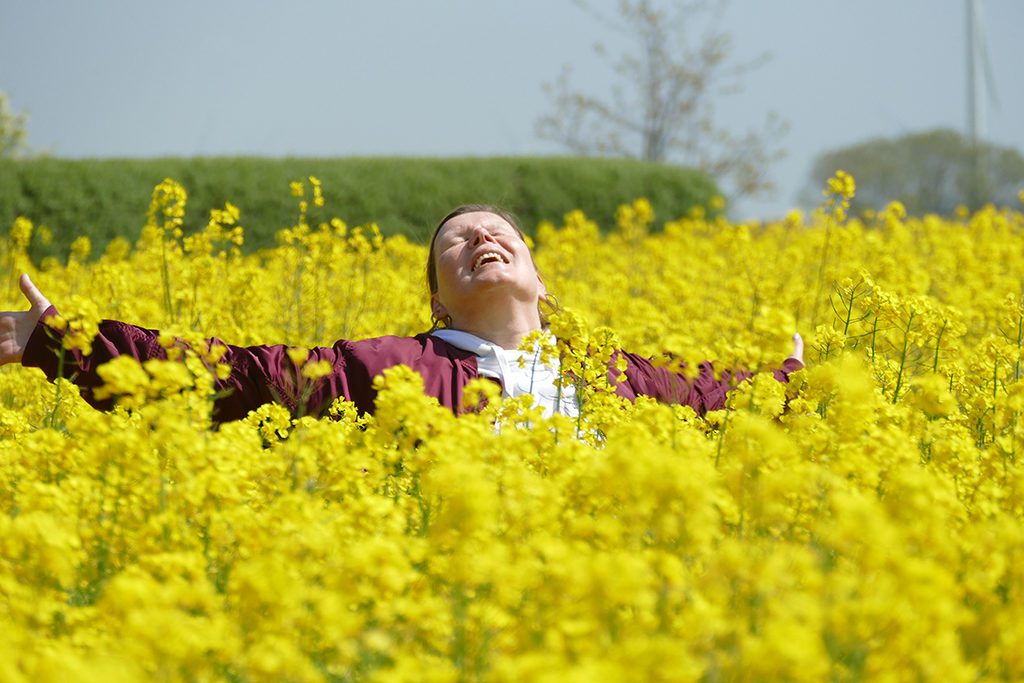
<point>863,522</point>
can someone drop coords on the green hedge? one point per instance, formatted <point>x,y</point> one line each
<point>108,198</point>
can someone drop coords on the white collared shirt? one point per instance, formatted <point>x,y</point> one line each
<point>518,372</point>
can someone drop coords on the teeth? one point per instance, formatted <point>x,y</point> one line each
<point>487,257</point>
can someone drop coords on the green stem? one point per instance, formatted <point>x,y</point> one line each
<point>874,336</point>
<point>52,421</point>
<point>995,383</point>
<point>903,357</point>
<point>721,437</point>
<point>1020,342</point>
<point>560,382</point>
<point>938,341</point>
<point>297,291</point>
<point>849,316</point>
<point>995,391</point>
<point>166,276</point>
<point>821,268</point>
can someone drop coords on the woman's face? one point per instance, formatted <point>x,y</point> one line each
<point>479,257</point>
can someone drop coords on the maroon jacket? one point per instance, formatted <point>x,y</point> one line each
<point>262,374</point>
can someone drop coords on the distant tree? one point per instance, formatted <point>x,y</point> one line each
<point>661,104</point>
<point>929,172</point>
<point>13,131</point>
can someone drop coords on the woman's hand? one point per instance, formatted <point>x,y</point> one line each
<point>798,348</point>
<point>16,326</point>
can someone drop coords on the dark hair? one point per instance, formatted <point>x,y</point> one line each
<point>458,211</point>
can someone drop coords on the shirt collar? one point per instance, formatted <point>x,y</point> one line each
<point>467,342</point>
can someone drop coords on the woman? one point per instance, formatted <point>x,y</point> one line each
<point>485,296</point>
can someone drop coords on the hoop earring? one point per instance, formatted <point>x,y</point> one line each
<point>554,307</point>
<point>439,323</point>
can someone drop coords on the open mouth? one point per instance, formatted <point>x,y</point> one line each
<point>488,257</point>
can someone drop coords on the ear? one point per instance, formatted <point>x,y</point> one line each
<point>437,309</point>
<point>542,290</point>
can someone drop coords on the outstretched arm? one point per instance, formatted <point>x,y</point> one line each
<point>798,350</point>
<point>259,374</point>
<point>705,391</point>
<point>16,326</point>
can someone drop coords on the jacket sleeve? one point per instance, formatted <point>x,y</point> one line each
<point>259,374</point>
<point>703,393</point>
<point>45,351</point>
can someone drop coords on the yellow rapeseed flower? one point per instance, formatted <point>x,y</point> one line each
<point>861,520</point>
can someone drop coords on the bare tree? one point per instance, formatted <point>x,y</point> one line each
<point>661,106</point>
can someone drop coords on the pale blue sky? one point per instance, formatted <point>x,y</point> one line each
<point>464,77</point>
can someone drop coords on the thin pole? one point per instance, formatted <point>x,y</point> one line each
<point>977,189</point>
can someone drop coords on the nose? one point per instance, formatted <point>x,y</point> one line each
<point>481,235</point>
